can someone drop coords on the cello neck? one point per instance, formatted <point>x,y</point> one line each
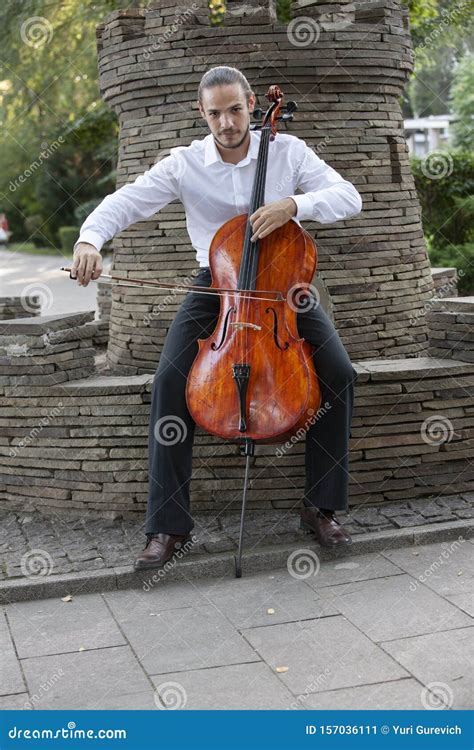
<point>249,262</point>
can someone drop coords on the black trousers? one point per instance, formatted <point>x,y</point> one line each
<point>171,432</point>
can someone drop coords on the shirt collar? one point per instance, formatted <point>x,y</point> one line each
<point>211,153</point>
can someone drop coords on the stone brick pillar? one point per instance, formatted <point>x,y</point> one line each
<point>346,65</point>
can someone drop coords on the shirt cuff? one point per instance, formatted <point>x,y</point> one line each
<point>304,205</point>
<point>92,238</point>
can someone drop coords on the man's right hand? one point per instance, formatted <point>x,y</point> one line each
<point>87,263</point>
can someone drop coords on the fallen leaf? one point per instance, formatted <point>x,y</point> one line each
<point>270,611</point>
<point>67,598</point>
<point>281,669</point>
<point>82,648</point>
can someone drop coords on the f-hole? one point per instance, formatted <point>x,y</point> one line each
<point>275,330</point>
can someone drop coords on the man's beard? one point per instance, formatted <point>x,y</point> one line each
<point>235,145</point>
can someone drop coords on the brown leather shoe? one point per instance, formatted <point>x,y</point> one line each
<point>327,529</point>
<point>159,549</point>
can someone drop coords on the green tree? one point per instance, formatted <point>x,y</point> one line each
<point>462,98</point>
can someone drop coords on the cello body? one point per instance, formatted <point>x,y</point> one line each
<point>254,379</point>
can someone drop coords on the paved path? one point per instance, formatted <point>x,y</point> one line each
<point>23,273</point>
<point>388,630</point>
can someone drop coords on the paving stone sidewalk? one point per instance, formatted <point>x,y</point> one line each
<point>62,544</point>
<point>389,630</point>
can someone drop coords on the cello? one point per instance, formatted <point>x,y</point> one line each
<point>253,379</point>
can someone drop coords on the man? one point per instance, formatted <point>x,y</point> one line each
<point>213,178</point>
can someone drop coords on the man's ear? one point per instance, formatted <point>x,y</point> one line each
<point>201,111</point>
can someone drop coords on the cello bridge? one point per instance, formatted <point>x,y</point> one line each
<point>239,325</point>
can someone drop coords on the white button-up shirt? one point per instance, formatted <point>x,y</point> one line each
<point>213,191</point>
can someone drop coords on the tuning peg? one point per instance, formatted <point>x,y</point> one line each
<point>257,114</point>
<point>291,106</point>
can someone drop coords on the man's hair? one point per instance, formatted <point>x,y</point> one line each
<point>223,75</point>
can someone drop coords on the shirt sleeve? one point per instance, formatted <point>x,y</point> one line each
<point>149,193</point>
<point>327,196</point>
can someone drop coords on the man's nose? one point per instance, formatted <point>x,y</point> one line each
<point>226,122</point>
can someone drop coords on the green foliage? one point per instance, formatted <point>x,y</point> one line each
<point>59,141</point>
<point>462,96</point>
<point>67,237</point>
<point>283,10</point>
<point>460,257</point>
<point>448,213</point>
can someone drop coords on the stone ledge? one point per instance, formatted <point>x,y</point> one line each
<point>222,564</point>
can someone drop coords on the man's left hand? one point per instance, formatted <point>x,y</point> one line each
<point>270,217</point>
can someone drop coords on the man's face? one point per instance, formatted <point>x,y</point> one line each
<point>227,113</point>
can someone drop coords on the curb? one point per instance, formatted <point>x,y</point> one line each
<point>222,564</point>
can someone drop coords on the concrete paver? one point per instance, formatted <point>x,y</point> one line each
<point>84,680</point>
<point>362,631</point>
<point>394,607</point>
<point>234,687</point>
<point>323,654</point>
<point>443,660</point>
<point>446,567</point>
<point>397,695</point>
<point>52,626</point>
